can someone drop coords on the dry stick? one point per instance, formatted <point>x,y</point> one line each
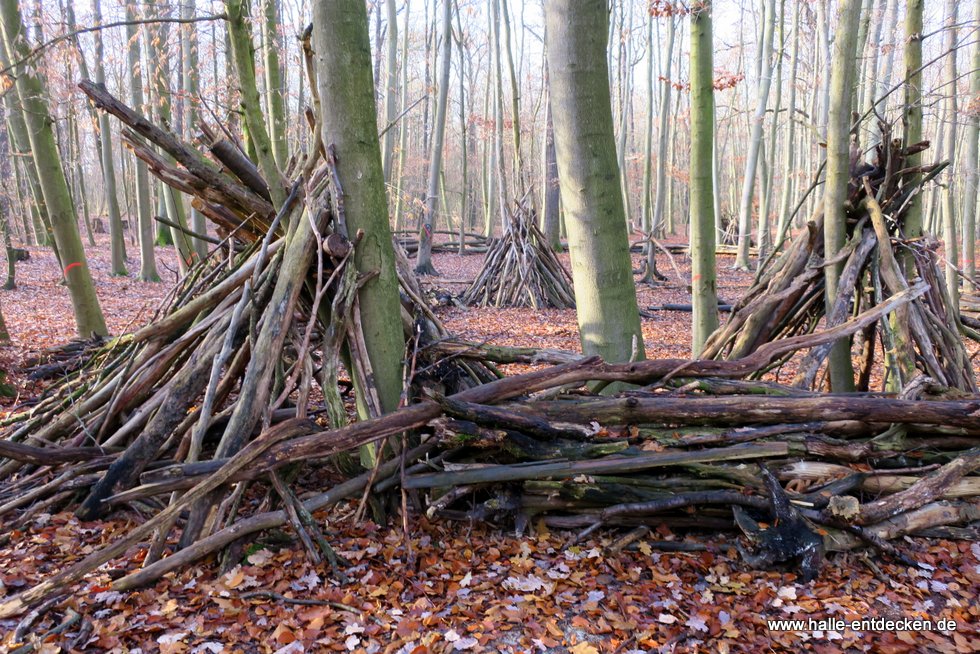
<point>187,313</point>
<point>320,444</point>
<point>17,603</point>
<point>268,342</point>
<point>293,517</point>
<point>837,315</point>
<point>326,443</point>
<point>255,523</point>
<point>71,617</point>
<point>192,160</point>
<point>922,492</point>
<point>279,597</point>
<point>613,464</point>
<point>204,415</point>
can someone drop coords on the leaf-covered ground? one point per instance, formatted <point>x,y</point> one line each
<point>465,587</point>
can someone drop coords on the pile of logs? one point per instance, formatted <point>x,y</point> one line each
<point>789,297</point>
<point>214,399</point>
<point>473,243</point>
<point>521,270</point>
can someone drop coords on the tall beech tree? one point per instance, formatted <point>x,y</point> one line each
<point>343,64</point>
<point>51,176</point>
<point>704,298</point>
<point>605,295</point>
<point>842,84</point>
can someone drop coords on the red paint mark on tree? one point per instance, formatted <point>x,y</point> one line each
<point>70,266</point>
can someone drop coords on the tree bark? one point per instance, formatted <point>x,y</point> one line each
<point>423,264</point>
<point>116,236</point>
<point>704,298</point>
<point>842,82</point>
<point>971,168</point>
<point>605,295</point>
<point>343,58</point>
<point>54,187</point>
<point>144,206</point>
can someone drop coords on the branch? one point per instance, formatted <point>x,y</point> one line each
<point>95,28</point>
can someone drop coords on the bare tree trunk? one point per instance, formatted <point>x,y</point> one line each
<point>950,241</point>
<point>550,214</point>
<point>789,143</point>
<point>605,295</point>
<point>116,236</point>
<point>172,201</point>
<point>22,146</point>
<point>755,141</point>
<point>502,199</point>
<point>651,275</point>
<point>403,127</point>
<point>515,105</point>
<point>242,52</point>
<point>912,117</point>
<point>839,175</point>
<point>274,84</point>
<point>704,299</point>
<point>30,90</point>
<point>348,112</point>
<point>971,168</point>
<point>391,85</point>
<point>191,83</point>
<point>423,264</point>
<point>144,205</point>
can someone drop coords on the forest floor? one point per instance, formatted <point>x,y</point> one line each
<point>460,586</point>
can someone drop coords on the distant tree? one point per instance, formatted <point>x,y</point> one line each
<point>144,205</point>
<point>423,265</point>
<point>950,242</point>
<point>971,168</point>
<point>756,138</point>
<point>116,236</point>
<point>173,203</point>
<point>605,295</point>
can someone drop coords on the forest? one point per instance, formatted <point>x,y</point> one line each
<point>558,326</point>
